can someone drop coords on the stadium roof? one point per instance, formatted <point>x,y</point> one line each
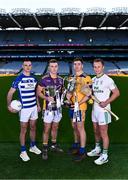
<point>47,18</point>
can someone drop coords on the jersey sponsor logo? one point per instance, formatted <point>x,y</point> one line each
<point>95,87</point>
<point>98,91</point>
<point>29,85</point>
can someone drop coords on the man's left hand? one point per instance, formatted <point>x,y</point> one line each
<point>103,104</point>
<point>38,108</point>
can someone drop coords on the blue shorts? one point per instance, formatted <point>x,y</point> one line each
<point>81,112</point>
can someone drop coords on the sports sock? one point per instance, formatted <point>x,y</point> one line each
<point>45,145</point>
<point>32,143</point>
<point>97,145</point>
<point>53,140</point>
<point>23,148</point>
<point>82,150</point>
<point>75,145</point>
<point>105,151</point>
<point>53,143</point>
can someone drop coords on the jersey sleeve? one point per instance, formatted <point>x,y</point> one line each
<point>42,82</point>
<point>112,84</point>
<point>15,83</point>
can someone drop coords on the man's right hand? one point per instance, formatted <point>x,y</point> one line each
<point>12,110</point>
<point>68,96</point>
<point>50,99</point>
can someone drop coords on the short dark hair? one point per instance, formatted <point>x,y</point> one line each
<point>78,59</point>
<point>53,61</point>
<point>26,60</point>
<point>99,60</point>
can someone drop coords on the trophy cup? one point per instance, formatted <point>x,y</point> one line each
<point>58,102</point>
<point>76,114</point>
<point>71,83</point>
<point>63,96</point>
<point>51,91</point>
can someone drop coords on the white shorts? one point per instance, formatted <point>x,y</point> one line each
<point>27,114</point>
<point>53,116</point>
<point>101,117</point>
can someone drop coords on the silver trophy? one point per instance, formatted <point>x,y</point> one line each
<point>69,88</point>
<point>51,92</point>
<point>58,101</point>
<point>71,84</point>
<point>76,114</point>
<point>63,96</point>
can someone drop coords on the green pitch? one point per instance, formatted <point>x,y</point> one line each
<point>62,166</point>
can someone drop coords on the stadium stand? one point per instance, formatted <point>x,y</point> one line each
<point>38,67</point>
<point>109,66</point>
<point>81,37</point>
<point>94,34</point>
<point>63,68</point>
<point>11,67</point>
<point>14,67</point>
<point>122,64</point>
<point>88,68</point>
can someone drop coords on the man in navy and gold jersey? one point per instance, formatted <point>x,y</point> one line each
<point>51,84</point>
<point>82,79</point>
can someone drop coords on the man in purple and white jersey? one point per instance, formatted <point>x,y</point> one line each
<point>26,85</point>
<point>50,89</point>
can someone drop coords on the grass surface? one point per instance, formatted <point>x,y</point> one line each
<point>61,166</point>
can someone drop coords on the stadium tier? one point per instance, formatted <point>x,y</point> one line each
<point>41,45</point>
<point>122,64</point>
<point>93,35</point>
<point>64,38</point>
<point>39,67</point>
<point>98,18</point>
<point>65,68</point>
<point>11,68</point>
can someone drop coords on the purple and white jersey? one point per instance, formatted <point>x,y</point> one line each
<point>48,81</point>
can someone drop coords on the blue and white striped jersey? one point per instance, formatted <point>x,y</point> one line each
<point>26,86</point>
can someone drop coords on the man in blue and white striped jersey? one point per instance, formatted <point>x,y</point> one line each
<point>26,85</point>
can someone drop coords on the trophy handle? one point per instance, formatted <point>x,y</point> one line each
<point>63,96</point>
<point>76,115</point>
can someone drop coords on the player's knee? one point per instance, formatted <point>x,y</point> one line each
<point>74,126</point>
<point>103,134</point>
<point>81,129</point>
<point>54,128</point>
<point>46,130</point>
<point>32,127</point>
<point>23,129</point>
<point>96,131</point>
